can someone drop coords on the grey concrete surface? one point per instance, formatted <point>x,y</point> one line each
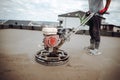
<point>18,47</point>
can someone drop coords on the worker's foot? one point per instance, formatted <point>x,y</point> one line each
<point>95,52</point>
<point>88,48</point>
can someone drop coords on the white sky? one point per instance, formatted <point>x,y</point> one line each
<point>48,10</point>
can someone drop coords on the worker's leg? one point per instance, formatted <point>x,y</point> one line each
<point>96,34</point>
<point>91,32</point>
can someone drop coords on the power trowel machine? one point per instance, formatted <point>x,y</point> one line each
<point>54,38</point>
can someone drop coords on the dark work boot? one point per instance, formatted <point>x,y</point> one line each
<point>96,51</point>
<point>92,45</point>
<point>97,45</point>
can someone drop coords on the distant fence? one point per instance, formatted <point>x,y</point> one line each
<point>103,33</point>
<point>38,28</point>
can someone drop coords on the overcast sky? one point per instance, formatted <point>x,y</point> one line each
<point>48,10</point>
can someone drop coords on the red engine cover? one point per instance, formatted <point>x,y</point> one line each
<point>51,41</point>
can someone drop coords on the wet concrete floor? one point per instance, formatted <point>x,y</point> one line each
<point>18,47</point>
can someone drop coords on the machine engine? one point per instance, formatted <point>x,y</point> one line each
<point>53,40</point>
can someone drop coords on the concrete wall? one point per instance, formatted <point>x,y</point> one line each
<point>103,33</point>
<point>86,32</point>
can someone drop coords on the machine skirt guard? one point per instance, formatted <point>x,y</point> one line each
<point>52,59</point>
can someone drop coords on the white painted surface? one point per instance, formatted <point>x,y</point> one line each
<point>70,22</point>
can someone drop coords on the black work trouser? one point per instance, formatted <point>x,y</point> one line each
<point>94,30</point>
